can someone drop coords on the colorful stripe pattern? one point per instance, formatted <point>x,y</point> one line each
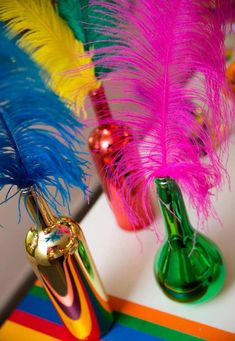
<point>84,309</point>
<point>36,319</point>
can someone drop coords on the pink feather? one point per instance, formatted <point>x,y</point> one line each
<point>170,61</point>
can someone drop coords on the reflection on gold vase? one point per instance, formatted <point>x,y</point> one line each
<point>59,255</point>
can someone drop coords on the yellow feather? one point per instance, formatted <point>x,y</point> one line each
<point>51,44</point>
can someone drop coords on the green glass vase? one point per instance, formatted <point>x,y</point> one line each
<point>189,267</point>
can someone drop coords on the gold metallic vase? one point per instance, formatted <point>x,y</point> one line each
<point>59,255</point>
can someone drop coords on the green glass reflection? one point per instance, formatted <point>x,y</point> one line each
<point>85,258</point>
<point>189,267</point>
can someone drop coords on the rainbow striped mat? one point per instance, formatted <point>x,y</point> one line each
<point>35,319</point>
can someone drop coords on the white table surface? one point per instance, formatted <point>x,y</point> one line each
<point>125,260</point>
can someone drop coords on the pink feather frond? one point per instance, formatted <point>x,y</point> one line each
<point>170,60</point>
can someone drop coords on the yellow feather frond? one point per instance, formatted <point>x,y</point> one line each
<point>52,45</point>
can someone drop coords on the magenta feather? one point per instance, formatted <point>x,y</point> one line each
<point>159,47</point>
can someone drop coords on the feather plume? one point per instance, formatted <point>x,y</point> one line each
<point>51,44</point>
<point>164,43</point>
<point>87,27</point>
<point>39,137</point>
<point>74,12</point>
<point>90,29</point>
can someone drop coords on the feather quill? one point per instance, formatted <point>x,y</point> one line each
<point>39,137</point>
<point>164,42</point>
<point>51,44</point>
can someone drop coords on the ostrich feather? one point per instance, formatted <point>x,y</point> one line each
<point>39,136</point>
<point>51,44</point>
<point>79,14</point>
<point>90,29</point>
<point>74,12</point>
<point>167,42</point>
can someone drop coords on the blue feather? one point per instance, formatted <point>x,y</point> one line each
<point>39,137</point>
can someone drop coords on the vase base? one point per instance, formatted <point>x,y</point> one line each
<point>198,295</point>
<point>197,292</point>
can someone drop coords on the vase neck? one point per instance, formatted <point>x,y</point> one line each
<point>173,208</point>
<point>39,209</point>
<point>100,104</point>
